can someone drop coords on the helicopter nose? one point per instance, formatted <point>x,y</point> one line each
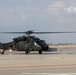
<point>44,48</point>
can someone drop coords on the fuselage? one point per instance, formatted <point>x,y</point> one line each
<point>27,44</point>
<point>35,45</point>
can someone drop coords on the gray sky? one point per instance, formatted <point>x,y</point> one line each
<point>39,15</point>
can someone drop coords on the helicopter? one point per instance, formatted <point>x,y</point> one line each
<point>27,43</point>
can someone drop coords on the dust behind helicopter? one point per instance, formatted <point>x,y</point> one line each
<point>27,43</point>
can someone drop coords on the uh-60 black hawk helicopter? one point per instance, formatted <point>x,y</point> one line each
<point>27,43</point>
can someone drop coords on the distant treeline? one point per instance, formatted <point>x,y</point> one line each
<point>63,44</point>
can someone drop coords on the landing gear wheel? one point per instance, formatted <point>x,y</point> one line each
<point>3,52</point>
<point>26,51</point>
<point>40,51</point>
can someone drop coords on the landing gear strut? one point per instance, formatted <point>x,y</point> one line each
<point>26,51</point>
<point>40,51</point>
<point>2,52</point>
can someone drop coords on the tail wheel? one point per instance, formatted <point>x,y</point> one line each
<point>40,51</point>
<point>3,51</point>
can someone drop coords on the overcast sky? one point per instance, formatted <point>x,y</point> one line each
<point>39,15</point>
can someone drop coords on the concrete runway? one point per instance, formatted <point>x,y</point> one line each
<point>53,63</point>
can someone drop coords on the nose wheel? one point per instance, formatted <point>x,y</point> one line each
<point>40,51</point>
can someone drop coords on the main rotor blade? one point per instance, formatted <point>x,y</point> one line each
<point>12,32</point>
<point>51,32</point>
<point>31,32</point>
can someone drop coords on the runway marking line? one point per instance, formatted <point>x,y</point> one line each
<point>40,74</point>
<point>47,74</point>
<point>14,68</point>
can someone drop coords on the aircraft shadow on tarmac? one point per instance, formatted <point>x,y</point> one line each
<point>50,51</point>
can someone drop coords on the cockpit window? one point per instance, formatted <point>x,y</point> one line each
<point>36,44</point>
<point>41,42</point>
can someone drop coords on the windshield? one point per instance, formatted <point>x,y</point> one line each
<point>41,42</point>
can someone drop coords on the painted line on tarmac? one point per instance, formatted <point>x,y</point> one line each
<point>41,74</point>
<point>47,74</point>
<point>36,67</point>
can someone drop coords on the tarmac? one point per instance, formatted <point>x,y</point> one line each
<point>60,62</point>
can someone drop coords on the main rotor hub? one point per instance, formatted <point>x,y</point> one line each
<point>29,32</point>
